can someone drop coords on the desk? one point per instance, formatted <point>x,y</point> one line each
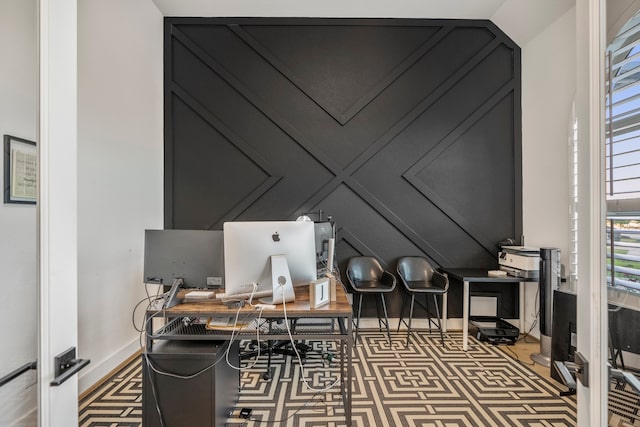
<point>338,311</point>
<point>477,275</point>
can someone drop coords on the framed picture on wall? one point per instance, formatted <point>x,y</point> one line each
<point>20,170</point>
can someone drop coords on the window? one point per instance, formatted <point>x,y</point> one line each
<point>622,156</point>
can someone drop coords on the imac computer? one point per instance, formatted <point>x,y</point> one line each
<point>274,255</point>
<point>183,258</point>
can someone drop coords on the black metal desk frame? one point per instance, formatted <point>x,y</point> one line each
<point>175,329</point>
<point>470,276</point>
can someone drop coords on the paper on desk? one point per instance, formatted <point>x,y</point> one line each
<point>496,273</point>
<point>199,294</point>
<point>226,323</point>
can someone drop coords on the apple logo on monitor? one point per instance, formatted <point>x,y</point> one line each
<point>276,237</point>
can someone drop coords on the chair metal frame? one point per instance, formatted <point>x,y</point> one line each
<point>385,278</point>
<point>434,289</point>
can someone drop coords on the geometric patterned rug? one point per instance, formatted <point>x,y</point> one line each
<point>424,384</point>
<point>420,385</point>
<point>624,406</point>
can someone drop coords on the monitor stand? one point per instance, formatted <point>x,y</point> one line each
<point>172,295</point>
<point>281,281</point>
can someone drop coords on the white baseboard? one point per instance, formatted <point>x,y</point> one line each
<point>94,372</point>
<point>28,420</point>
<point>372,323</point>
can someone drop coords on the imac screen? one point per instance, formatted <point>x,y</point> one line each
<point>195,256</point>
<point>248,247</point>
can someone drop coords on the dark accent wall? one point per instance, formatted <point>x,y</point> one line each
<point>407,132</point>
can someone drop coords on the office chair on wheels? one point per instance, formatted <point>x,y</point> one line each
<point>367,277</point>
<point>271,347</point>
<point>418,277</point>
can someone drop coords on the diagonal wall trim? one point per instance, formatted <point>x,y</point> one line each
<point>361,247</point>
<point>450,211</point>
<point>240,144</point>
<point>223,130</point>
<point>463,127</point>
<point>346,176</point>
<point>343,117</point>
<point>397,222</point>
<point>241,207</point>
<point>260,105</point>
<point>406,120</point>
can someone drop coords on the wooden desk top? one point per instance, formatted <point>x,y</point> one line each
<point>482,275</point>
<point>298,308</point>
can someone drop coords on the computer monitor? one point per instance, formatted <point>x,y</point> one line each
<point>323,234</point>
<point>249,248</point>
<point>188,258</point>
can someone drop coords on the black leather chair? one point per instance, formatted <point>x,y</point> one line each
<point>419,277</point>
<point>366,276</point>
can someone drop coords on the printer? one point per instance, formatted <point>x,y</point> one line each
<point>520,261</point>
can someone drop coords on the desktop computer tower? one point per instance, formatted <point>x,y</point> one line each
<point>205,400</point>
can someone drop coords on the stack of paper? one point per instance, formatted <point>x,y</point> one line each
<point>198,295</point>
<point>225,324</point>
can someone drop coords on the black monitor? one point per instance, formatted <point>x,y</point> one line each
<point>323,233</point>
<point>187,258</point>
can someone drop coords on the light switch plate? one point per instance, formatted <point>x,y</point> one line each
<point>319,292</point>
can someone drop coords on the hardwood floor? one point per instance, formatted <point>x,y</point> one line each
<point>522,351</point>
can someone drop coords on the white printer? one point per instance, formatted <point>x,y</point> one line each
<point>520,261</point>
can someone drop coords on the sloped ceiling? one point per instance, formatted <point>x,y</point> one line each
<point>520,19</point>
<point>523,20</point>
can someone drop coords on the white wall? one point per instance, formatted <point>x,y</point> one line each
<point>525,20</point>
<point>120,171</point>
<point>548,88</point>
<point>18,102</point>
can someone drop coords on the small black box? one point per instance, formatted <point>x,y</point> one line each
<point>493,330</point>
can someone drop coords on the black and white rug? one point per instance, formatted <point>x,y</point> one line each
<point>624,406</point>
<point>424,384</point>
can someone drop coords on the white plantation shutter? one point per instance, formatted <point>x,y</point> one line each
<point>622,157</point>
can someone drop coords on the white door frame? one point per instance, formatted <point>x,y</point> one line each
<point>57,207</point>
<point>591,289</point>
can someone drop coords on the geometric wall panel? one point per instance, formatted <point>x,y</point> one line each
<point>406,131</point>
